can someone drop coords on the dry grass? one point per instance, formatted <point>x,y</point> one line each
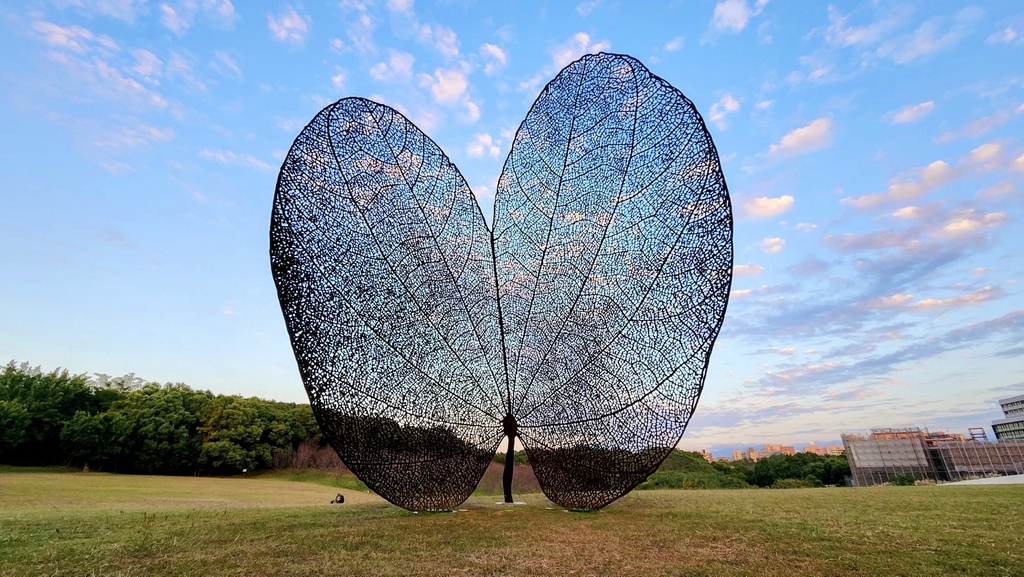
<point>119,525</point>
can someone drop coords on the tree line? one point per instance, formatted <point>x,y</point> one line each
<point>689,470</point>
<point>127,425</point>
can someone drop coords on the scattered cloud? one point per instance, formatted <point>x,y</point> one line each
<point>933,35</point>
<point>969,222</point>
<point>360,28</point>
<point>976,128</point>
<point>125,10</point>
<point>180,17</point>
<point>495,56</point>
<point>815,136</point>
<point>338,79</point>
<point>404,6</point>
<point>724,107</point>
<point>674,45</point>
<point>841,33</point>
<point>912,113</point>
<point>397,67</point>
<point>733,15</point>
<point>449,87</point>
<point>749,269</point>
<point>130,137</point>
<point>563,54</point>
<point>576,47</point>
<point>173,21</point>
<point>233,158</point>
<point>224,64</point>
<point>772,245</point>
<point>1009,35</point>
<point>587,8</point>
<point>482,145</point>
<point>767,207</point>
<point>918,182</point>
<point>289,26</point>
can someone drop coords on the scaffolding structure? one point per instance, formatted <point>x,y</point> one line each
<point>938,456</point>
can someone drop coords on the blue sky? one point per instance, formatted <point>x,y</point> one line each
<point>873,152</point>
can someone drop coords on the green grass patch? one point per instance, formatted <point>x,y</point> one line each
<point>102,524</point>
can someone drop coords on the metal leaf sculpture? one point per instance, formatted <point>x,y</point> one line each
<point>581,323</point>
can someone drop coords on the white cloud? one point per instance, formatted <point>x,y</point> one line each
<point>449,87</point>
<point>562,55</point>
<point>981,295</point>
<point>337,45</point>
<point>733,15</point>
<point>229,157</point>
<point>174,22</point>
<point>749,269</point>
<point>225,65</point>
<point>398,67</point>
<point>495,56</point>
<point>446,42</point>
<point>814,136</point>
<point>767,207</point>
<point>976,128</point>
<point>125,10</point>
<point>446,86</point>
<point>338,79</point>
<point>576,47</point>
<point>74,38</point>
<point>763,104</point>
<point>987,157</point>
<point>772,245</point>
<point>740,293</point>
<point>1008,35</point>
<point>179,18</point>
<point>1018,164</point>
<point>481,145</point>
<point>289,26</point>
<point>911,113</point>
<point>585,9</point>
<point>674,45</point>
<point>840,34</point>
<point>147,65</point>
<point>968,223</point>
<point>404,6</point>
<point>134,136</point>
<point>930,37</point>
<point>719,110</point>
<point>360,27</point>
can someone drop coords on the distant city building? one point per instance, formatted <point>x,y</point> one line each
<point>707,456</point>
<point>925,455</point>
<point>752,454</point>
<point>827,450</point>
<point>1012,426</point>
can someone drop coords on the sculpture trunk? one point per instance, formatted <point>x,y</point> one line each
<point>511,430</point>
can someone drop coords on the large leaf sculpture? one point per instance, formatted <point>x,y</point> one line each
<point>581,323</point>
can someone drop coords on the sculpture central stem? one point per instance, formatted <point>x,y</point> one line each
<point>511,430</point>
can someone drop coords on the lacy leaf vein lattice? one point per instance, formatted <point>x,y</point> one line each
<point>580,323</point>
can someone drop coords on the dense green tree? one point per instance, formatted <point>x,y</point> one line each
<point>50,400</point>
<point>14,423</point>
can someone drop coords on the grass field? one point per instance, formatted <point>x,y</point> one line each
<point>101,524</point>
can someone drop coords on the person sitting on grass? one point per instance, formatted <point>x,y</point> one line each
<point>338,499</point>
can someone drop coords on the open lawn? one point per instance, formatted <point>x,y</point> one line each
<point>102,524</point>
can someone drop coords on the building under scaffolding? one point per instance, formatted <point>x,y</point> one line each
<point>885,453</point>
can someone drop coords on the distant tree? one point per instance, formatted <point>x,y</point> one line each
<point>14,423</point>
<point>50,400</point>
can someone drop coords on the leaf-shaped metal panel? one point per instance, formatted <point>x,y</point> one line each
<point>613,247</point>
<point>384,270</point>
